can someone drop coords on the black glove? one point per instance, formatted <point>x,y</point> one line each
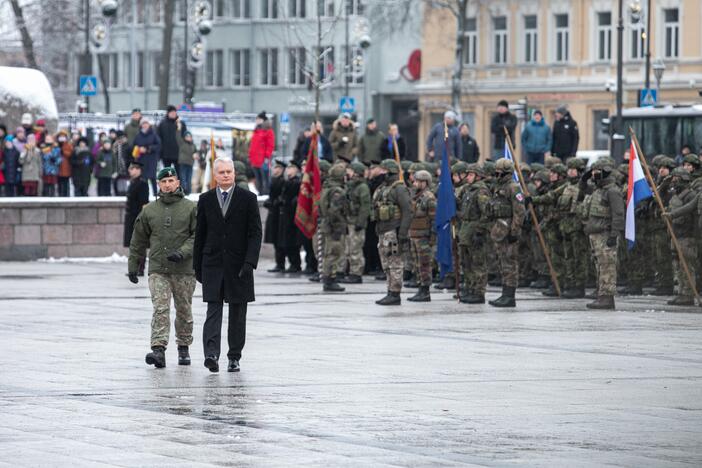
<point>359,228</point>
<point>528,201</point>
<point>246,269</point>
<point>586,175</point>
<point>198,276</point>
<point>612,241</point>
<point>175,257</point>
<point>133,277</point>
<point>512,239</point>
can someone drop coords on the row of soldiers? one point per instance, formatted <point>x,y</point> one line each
<point>579,212</point>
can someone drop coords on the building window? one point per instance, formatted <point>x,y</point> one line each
<point>356,7</point>
<point>604,36</point>
<point>600,138</point>
<point>531,39</point>
<point>297,8</point>
<point>470,42</point>
<point>326,63</point>
<point>672,32</point>
<point>241,68</point>
<point>111,69</point>
<point>241,9</point>
<point>499,26</point>
<point>638,42</point>
<point>354,64</point>
<point>269,9</point>
<point>214,69</point>
<point>325,8</point>
<point>562,38</point>
<point>297,62</point>
<point>140,69</point>
<point>155,9</point>
<point>177,67</point>
<point>268,60</point>
<point>125,12</point>
<point>155,69</point>
<point>140,11</point>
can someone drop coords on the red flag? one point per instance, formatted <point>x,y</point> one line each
<point>307,201</point>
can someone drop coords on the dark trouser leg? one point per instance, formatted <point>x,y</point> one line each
<point>63,186</point>
<point>236,334</point>
<point>279,256</point>
<point>212,329</point>
<point>310,259</point>
<point>293,253</point>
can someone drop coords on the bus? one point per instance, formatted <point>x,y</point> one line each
<point>665,129</point>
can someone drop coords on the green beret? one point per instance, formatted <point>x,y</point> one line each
<point>166,172</point>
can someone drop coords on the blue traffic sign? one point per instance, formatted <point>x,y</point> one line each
<point>88,85</point>
<point>347,104</point>
<point>648,97</point>
<point>284,117</point>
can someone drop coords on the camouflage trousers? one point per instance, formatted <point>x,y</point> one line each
<point>605,264</point>
<point>575,258</point>
<point>421,251</point>
<point>508,256</point>
<point>526,255</point>
<point>554,243</point>
<point>662,261</point>
<point>474,266</point>
<point>354,250</point>
<point>181,288</point>
<point>539,260</point>
<point>409,263</point>
<point>688,246</point>
<point>333,255</point>
<point>391,259</point>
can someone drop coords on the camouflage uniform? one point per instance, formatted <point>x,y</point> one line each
<point>358,194</point>
<point>162,287</point>
<point>660,239</point>
<point>391,211</point>
<point>473,202</point>
<point>318,238</point>
<point>333,209</point>
<point>605,222</point>
<point>240,179</point>
<point>538,259</point>
<point>507,212</point>
<point>575,256</point>
<point>683,209</point>
<point>420,231</point>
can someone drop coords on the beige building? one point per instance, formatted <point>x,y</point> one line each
<point>555,52</point>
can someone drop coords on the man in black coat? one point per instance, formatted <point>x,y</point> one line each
<point>566,135</point>
<point>227,246</point>
<point>288,233</point>
<point>137,197</point>
<point>271,232</point>
<point>503,118</point>
<point>167,129</point>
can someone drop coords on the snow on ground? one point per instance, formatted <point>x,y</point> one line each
<point>114,258</point>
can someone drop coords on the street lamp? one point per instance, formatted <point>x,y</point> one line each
<point>98,38</point>
<point>195,53</point>
<point>658,69</point>
<point>617,134</point>
<point>638,15</point>
<point>365,43</point>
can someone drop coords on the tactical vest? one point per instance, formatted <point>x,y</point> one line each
<point>683,226</point>
<point>420,226</point>
<point>567,202</point>
<point>501,204</point>
<point>354,203</point>
<point>599,204</point>
<point>470,210</point>
<point>384,208</point>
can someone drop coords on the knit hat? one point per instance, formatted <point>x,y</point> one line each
<point>561,110</point>
<point>503,103</point>
<point>170,108</point>
<point>262,115</point>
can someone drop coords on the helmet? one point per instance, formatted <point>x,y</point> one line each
<point>489,168</point>
<point>405,165</point>
<point>476,169</point>
<point>459,168</point>
<point>324,166</point>
<point>576,163</point>
<point>390,165</point>
<point>423,176</point>
<point>239,167</point>
<point>692,159</point>
<point>551,160</point>
<point>608,159</point>
<point>603,164</point>
<point>337,172</point>
<point>525,168</point>
<point>415,166</point>
<point>504,165</point>
<point>681,173</point>
<point>431,167</point>
<point>658,159</point>
<point>542,175</point>
<point>358,168</point>
<point>559,169</point>
<point>536,167</point>
<point>668,162</point>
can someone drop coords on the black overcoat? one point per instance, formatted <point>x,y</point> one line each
<point>137,197</point>
<point>224,244</point>
<point>270,234</point>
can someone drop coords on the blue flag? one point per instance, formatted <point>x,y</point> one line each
<point>445,210</point>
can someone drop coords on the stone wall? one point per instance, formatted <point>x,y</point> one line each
<point>33,228</point>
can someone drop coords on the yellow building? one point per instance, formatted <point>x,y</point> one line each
<point>556,52</point>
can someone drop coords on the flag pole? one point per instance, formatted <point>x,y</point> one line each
<point>396,150</point>
<point>532,212</point>
<point>213,156</point>
<point>454,234</point>
<point>676,244</point>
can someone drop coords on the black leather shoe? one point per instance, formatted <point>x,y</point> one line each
<point>233,366</point>
<point>315,278</point>
<point>157,357</point>
<point>211,364</point>
<point>293,270</point>
<point>183,356</point>
<point>276,269</point>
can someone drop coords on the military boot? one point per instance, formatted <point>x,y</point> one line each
<point>157,357</point>
<point>351,279</point>
<point>422,295</point>
<point>315,277</point>
<point>183,356</point>
<point>593,295</point>
<point>473,298</point>
<point>449,282</point>
<point>380,277</point>
<point>577,292</point>
<point>682,301</point>
<point>630,290</point>
<point>495,280</point>
<point>392,298</point>
<point>663,291</point>
<point>330,285</point>
<point>506,299</point>
<point>551,291</point>
<point>411,283</point>
<point>542,282</point>
<point>407,275</point>
<point>602,302</point>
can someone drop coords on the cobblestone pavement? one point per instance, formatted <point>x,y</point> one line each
<point>334,380</point>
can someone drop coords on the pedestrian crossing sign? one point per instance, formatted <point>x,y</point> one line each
<point>88,85</point>
<point>648,97</point>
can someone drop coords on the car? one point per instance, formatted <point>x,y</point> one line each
<point>590,156</point>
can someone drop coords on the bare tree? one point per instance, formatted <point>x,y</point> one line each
<point>165,65</point>
<point>27,41</point>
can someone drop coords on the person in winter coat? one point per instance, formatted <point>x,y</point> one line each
<point>123,158</point>
<point>106,167</point>
<point>260,150</point>
<point>133,127</point>
<point>536,139</point>
<point>471,150</point>
<point>370,144</point>
<point>2,164</point>
<point>81,168</point>
<point>64,172</point>
<point>566,135</point>
<point>289,235</point>
<point>51,155</point>
<point>503,118</point>
<point>435,139</point>
<point>167,130</point>
<point>186,158</point>
<point>324,149</point>
<point>272,204</point>
<point>146,148</point>
<point>298,153</point>
<point>31,162</point>
<point>386,147</point>
<point>10,159</point>
<point>343,138</point>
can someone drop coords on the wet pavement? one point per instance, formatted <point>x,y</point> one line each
<point>334,380</point>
